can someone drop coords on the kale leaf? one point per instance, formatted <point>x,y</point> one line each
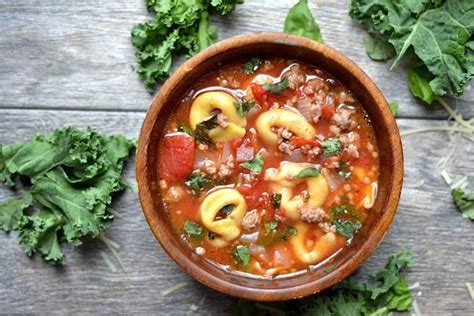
<point>178,26</point>
<point>464,202</point>
<point>378,49</point>
<point>193,229</point>
<point>244,106</point>
<point>331,146</point>
<point>252,65</point>
<point>385,292</point>
<point>300,21</point>
<point>242,255</point>
<point>440,33</point>
<point>73,175</point>
<point>277,88</point>
<point>254,165</point>
<point>308,172</point>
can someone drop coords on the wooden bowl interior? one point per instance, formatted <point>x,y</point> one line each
<point>338,266</point>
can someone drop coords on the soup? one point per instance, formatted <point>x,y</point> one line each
<point>268,166</point>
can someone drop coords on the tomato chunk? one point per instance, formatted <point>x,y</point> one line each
<point>301,141</point>
<point>176,158</point>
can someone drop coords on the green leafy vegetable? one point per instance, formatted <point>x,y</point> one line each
<point>331,146</point>
<point>201,132</point>
<point>440,33</point>
<point>378,49</point>
<point>278,87</point>
<point>346,228</point>
<point>197,182</point>
<point>254,165</point>
<point>276,200</point>
<point>228,209</point>
<point>419,84</point>
<point>178,26</point>
<point>241,254</point>
<point>343,212</point>
<point>252,65</point>
<point>464,202</point>
<point>193,229</point>
<point>344,170</point>
<point>393,108</point>
<point>386,291</point>
<point>73,176</point>
<point>211,235</point>
<point>308,172</point>
<point>271,225</point>
<point>301,22</point>
<point>244,106</point>
<point>183,128</point>
<point>292,231</point>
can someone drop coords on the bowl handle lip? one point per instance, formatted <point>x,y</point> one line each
<point>360,255</point>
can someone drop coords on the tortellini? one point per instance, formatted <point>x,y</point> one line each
<point>226,229</point>
<point>207,102</point>
<point>294,122</point>
<point>284,180</point>
<point>322,248</point>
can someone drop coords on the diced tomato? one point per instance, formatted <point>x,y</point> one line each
<point>298,141</point>
<point>328,111</point>
<point>261,96</point>
<point>176,158</point>
<point>254,195</point>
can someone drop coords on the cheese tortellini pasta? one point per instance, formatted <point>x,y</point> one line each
<point>284,180</point>
<point>322,248</point>
<point>226,229</point>
<point>290,120</point>
<point>207,102</point>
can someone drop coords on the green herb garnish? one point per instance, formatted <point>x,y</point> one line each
<point>276,200</point>
<point>347,228</point>
<point>277,88</point>
<point>272,225</point>
<point>331,146</point>
<point>184,129</point>
<point>243,107</point>
<point>292,231</point>
<point>193,229</point>
<point>252,65</point>
<point>196,182</point>
<point>254,165</point>
<point>308,172</point>
<point>344,170</point>
<point>73,176</point>
<point>464,202</point>
<point>201,132</point>
<point>242,256</point>
<point>301,22</point>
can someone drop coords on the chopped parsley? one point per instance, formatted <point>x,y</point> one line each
<point>344,170</point>
<point>244,106</point>
<point>252,65</point>
<point>347,228</point>
<point>241,254</point>
<point>308,172</point>
<point>276,200</point>
<point>271,225</point>
<point>193,229</point>
<point>227,209</point>
<point>201,132</point>
<point>196,182</point>
<point>342,211</point>
<point>292,231</point>
<point>277,88</point>
<point>464,202</point>
<point>254,165</point>
<point>331,146</point>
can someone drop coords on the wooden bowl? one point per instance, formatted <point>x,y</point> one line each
<point>335,268</point>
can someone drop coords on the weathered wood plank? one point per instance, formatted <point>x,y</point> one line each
<point>427,222</point>
<point>77,54</point>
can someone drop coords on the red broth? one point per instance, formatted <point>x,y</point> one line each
<point>279,188</point>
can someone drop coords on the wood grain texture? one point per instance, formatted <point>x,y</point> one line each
<point>427,221</point>
<point>77,54</point>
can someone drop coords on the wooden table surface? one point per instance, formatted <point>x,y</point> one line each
<point>71,63</point>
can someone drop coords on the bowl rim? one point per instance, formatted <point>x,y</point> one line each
<point>361,254</point>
